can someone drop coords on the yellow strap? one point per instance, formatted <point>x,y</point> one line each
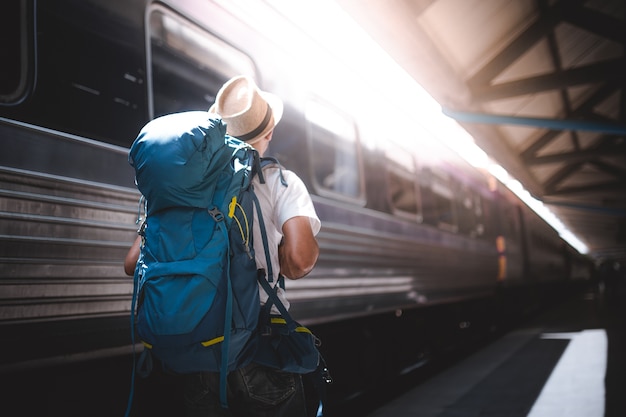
<point>146,344</point>
<point>231,207</point>
<point>213,341</point>
<point>280,320</point>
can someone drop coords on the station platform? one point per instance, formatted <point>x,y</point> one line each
<point>567,361</point>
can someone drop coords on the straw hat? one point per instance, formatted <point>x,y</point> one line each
<point>248,112</point>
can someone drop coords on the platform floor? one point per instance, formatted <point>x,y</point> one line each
<point>568,361</point>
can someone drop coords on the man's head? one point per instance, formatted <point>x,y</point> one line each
<point>249,113</point>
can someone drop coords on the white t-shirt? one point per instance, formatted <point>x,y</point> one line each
<point>279,204</point>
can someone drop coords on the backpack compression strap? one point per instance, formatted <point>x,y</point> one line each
<point>228,314</point>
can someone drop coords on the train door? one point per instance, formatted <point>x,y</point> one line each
<point>510,240</point>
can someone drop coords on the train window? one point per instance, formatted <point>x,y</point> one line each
<point>89,72</point>
<point>437,198</point>
<point>15,53</point>
<point>469,213</point>
<point>335,154</point>
<point>402,182</point>
<point>188,65</point>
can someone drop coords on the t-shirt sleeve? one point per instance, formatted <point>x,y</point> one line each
<point>294,200</point>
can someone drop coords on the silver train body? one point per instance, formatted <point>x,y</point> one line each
<point>406,223</point>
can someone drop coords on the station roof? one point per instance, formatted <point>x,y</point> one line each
<point>539,84</point>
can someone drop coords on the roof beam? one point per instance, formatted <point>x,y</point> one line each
<point>512,52</point>
<point>611,70</point>
<point>582,110</point>
<point>571,157</point>
<point>550,185</point>
<point>610,169</point>
<point>595,22</point>
<point>545,23</point>
<point>611,186</point>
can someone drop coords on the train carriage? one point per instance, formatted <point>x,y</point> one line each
<point>406,222</point>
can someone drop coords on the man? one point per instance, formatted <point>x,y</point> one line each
<point>291,225</point>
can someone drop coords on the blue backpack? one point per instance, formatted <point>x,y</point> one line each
<point>195,283</point>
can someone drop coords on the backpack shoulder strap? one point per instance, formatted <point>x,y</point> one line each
<point>265,283</point>
<point>257,166</point>
<point>266,161</point>
<point>270,160</point>
<point>268,260</point>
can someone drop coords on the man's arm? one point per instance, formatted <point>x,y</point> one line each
<point>131,257</point>
<point>299,250</point>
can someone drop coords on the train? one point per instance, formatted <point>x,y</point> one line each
<point>407,224</point>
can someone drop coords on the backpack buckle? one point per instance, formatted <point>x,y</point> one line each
<point>216,214</point>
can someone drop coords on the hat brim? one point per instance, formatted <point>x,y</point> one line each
<point>276,104</point>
